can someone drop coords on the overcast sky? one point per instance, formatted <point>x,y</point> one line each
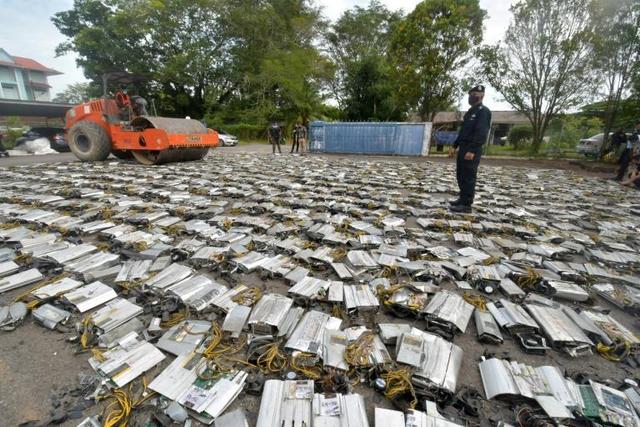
<point>28,31</point>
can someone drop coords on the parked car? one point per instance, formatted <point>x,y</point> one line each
<point>226,139</point>
<point>591,146</point>
<point>55,135</point>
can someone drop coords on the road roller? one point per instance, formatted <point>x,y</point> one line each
<point>121,126</point>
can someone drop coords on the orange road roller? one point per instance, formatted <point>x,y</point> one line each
<point>122,127</point>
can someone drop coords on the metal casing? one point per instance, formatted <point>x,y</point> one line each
<point>451,308</point>
<point>286,403</point>
<point>269,314</point>
<point>437,360</point>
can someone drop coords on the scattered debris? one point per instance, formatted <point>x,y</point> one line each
<point>189,285</point>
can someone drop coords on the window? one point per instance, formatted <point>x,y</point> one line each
<point>41,95</point>
<point>10,91</point>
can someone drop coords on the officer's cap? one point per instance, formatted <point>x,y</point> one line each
<point>478,88</point>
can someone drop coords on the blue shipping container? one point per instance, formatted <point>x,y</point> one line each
<point>404,139</point>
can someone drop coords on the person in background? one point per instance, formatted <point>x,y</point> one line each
<point>472,136</point>
<point>634,178</point>
<point>618,139</point>
<point>139,106</point>
<point>275,135</point>
<point>627,154</point>
<point>3,151</point>
<point>302,137</point>
<point>296,138</point>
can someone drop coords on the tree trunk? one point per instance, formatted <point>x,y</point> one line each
<point>537,136</point>
<point>608,123</point>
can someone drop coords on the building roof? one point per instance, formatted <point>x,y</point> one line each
<point>29,64</point>
<point>497,117</point>
<point>12,107</point>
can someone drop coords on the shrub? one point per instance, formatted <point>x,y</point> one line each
<point>14,131</point>
<point>10,136</point>
<point>520,134</point>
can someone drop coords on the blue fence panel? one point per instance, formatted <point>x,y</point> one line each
<point>369,138</point>
<point>409,139</point>
<point>445,137</point>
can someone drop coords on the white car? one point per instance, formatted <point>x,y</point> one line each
<point>226,140</point>
<point>590,146</point>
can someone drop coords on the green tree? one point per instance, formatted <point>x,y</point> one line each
<point>616,46</point>
<point>105,36</point>
<point>567,130</point>
<point>543,66</point>
<point>284,76</point>
<point>77,93</point>
<point>357,44</point>
<point>176,44</point>
<point>290,84</point>
<point>429,49</point>
<point>190,50</point>
<point>627,115</point>
<point>369,92</point>
<point>238,60</point>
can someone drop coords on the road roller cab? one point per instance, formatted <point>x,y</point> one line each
<point>122,126</point>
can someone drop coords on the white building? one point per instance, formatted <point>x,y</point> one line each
<point>24,79</point>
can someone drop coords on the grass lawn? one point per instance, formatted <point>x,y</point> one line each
<point>545,152</point>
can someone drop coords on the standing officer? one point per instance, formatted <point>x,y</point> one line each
<point>471,138</point>
<point>275,135</point>
<point>296,138</point>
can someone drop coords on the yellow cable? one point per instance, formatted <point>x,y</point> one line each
<point>140,246</point>
<point>247,297</point>
<point>490,261</point>
<point>106,213</point>
<point>98,355</point>
<point>176,318</point>
<point>389,271</point>
<point>338,312</point>
<point>306,364</point>
<point>399,383</point>
<point>273,360</point>
<point>609,352</point>
<point>119,411</point>
<point>86,330</point>
<point>529,280</point>
<point>307,244</point>
<point>40,285</point>
<point>338,254</point>
<point>357,353</point>
<point>478,301</point>
<point>9,225</point>
<point>216,339</point>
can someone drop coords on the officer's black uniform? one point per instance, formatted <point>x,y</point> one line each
<point>472,136</point>
<point>275,134</point>
<point>296,138</point>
